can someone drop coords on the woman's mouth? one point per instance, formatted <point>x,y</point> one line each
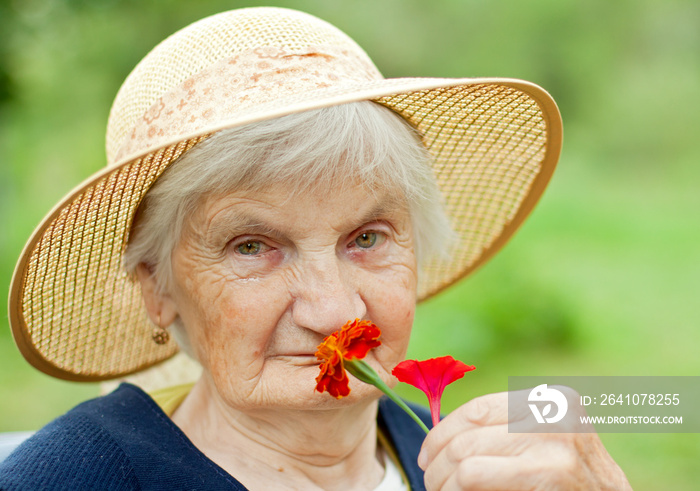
<point>299,359</point>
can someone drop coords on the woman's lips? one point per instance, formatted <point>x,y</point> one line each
<point>298,358</point>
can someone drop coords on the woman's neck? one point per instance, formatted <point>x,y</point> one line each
<point>326,449</point>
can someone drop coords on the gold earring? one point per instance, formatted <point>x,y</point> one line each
<point>160,334</point>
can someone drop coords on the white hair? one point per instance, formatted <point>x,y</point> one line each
<point>333,147</point>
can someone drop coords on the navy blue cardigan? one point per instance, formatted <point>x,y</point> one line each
<point>124,441</point>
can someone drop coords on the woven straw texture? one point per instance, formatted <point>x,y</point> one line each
<point>74,312</point>
<point>204,43</point>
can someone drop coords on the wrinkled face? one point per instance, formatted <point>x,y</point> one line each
<point>260,279</point>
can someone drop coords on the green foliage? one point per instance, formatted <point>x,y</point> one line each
<point>602,280</point>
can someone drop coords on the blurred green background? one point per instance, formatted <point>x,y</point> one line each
<point>603,279</point>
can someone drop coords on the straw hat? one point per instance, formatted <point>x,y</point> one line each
<point>76,314</point>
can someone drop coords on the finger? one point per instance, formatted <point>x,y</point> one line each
<point>487,473</point>
<point>469,416</point>
<point>491,441</point>
<point>528,462</point>
<point>488,410</point>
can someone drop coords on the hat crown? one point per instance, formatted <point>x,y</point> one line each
<point>206,42</point>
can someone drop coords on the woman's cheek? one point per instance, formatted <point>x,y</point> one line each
<point>396,286</point>
<point>392,308</point>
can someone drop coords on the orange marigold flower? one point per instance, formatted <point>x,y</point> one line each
<point>352,342</point>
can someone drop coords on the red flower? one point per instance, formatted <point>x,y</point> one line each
<point>351,342</point>
<point>431,376</point>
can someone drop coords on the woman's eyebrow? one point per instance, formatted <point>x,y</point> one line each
<point>381,210</point>
<point>238,224</point>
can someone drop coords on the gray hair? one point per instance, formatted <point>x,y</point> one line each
<point>334,147</point>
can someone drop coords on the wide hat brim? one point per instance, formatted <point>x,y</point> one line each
<point>76,314</point>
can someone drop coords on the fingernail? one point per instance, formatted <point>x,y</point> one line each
<point>422,459</point>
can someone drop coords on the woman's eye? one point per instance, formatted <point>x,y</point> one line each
<point>249,248</point>
<point>367,240</point>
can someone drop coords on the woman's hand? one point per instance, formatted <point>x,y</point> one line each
<point>472,449</point>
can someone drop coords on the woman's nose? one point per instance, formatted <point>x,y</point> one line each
<point>326,297</point>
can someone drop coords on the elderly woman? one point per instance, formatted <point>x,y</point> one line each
<point>265,186</point>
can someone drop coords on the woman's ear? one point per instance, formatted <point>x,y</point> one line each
<point>160,307</point>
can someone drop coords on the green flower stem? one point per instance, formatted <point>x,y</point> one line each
<point>362,371</point>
